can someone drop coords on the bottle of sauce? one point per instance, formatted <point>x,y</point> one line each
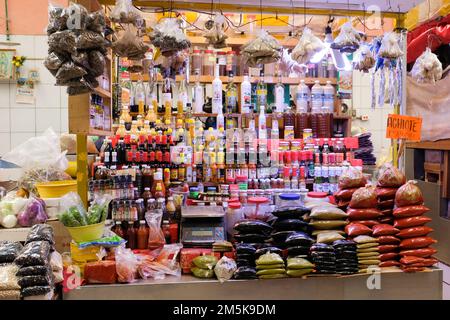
<point>117,229</point>
<point>158,189</point>
<point>171,209</point>
<point>131,234</point>
<point>142,235</point>
<point>166,231</point>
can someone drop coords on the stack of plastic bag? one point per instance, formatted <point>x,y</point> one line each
<point>368,252</point>
<point>203,266</point>
<point>324,258</point>
<point>225,269</point>
<point>77,47</point>
<point>328,223</point>
<point>35,273</point>
<point>9,287</point>
<point>388,182</point>
<point>427,67</point>
<point>298,267</point>
<point>350,180</point>
<point>270,266</point>
<point>415,250</point>
<point>346,256</point>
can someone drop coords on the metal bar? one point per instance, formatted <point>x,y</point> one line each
<point>82,167</point>
<point>203,6</point>
<point>7,21</point>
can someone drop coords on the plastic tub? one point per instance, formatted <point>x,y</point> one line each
<point>87,233</point>
<point>289,199</point>
<point>317,196</point>
<point>56,189</point>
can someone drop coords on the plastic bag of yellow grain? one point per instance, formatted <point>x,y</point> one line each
<point>88,254</point>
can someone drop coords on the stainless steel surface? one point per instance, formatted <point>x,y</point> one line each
<point>394,285</point>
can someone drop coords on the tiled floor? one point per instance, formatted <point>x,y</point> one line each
<point>446,281</point>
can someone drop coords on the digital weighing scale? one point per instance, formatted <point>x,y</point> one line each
<point>201,226</point>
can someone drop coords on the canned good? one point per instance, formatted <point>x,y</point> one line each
<point>307,135</point>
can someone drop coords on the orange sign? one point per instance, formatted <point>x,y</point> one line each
<point>403,127</point>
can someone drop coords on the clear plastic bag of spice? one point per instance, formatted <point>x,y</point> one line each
<point>262,50</point>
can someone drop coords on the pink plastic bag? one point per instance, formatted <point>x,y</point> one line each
<point>34,213</point>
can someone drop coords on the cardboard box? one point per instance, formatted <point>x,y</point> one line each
<point>188,254</point>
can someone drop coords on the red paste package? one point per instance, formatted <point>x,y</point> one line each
<point>368,223</point>
<point>387,212</point>
<point>100,272</point>
<point>388,256</point>
<point>385,204</point>
<point>352,178</point>
<point>388,240</point>
<point>386,193</point>
<point>411,259</point>
<point>356,229</point>
<point>408,195</point>
<point>410,211</point>
<point>390,263</point>
<point>414,232</point>
<point>345,194</point>
<point>384,230</point>
<point>416,243</point>
<point>422,252</point>
<point>386,220</point>
<point>412,269</point>
<point>365,197</point>
<point>411,222</point>
<point>390,176</point>
<point>386,248</point>
<point>423,263</point>
<point>363,214</point>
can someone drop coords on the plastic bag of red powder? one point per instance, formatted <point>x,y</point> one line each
<point>423,263</point>
<point>422,252</point>
<point>385,204</point>
<point>411,222</point>
<point>384,230</point>
<point>411,259</point>
<point>388,240</point>
<point>387,212</point>
<point>365,197</point>
<point>345,194</point>
<point>386,193</point>
<point>390,263</point>
<point>363,214</point>
<point>356,229</point>
<point>410,211</point>
<point>412,269</point>
<point>386,248</point>
<point>367,223</point>
<point>390,176</point>
<point>352,178</point>
<point>388,256</point>
<point>386,220</point>
<point>408,195</point>
<point>414,232</point>
<point>417,243</point>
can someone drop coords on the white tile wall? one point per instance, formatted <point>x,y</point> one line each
<point>19,122</point>
<point>361,102</point>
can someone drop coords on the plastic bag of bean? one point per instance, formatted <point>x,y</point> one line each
<point>62,42</point>
<point>390,176</point>
<point>388,240</point>
<point>386,193</point>
<point>384,230</point>
<point>41,232</point>
<point>53,61</point>
<point>88,39</point>
<point>96,63</point>
<point>34,253</point>
<point>388,256</point>
<point>365,197</point>
<point>408,195</point>
<point>389,263</point>
<point>35,291</point>
<point>8,278</point>
<point>356,229</point>
<point>417,243</point>
<point>345,194</point>
<point>422,252</point>
<point>69,70</point>
<point>57,19</point>
<point>96,21</point>
<point>34,271</point>
<point>367,223</point>
<point>9,251</point>
<point>363,214</point>
<point>31,281</point>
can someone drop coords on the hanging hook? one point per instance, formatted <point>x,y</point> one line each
<point>304,12</point>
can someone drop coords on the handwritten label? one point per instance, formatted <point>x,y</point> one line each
<point>403,127</point>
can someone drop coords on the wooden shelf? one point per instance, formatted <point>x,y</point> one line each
<point>432,145</point>
<point>239,79</point>
<point>96,132</point>
<point>102,92</point>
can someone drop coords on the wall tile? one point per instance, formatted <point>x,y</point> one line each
<point>64,120</point>
<point>364,79</point>
<point>5,143</point>
<point>45,76</point>
<point>356,97</point>
<point>5,119</point>
<point>20,137</point>
<point>23,120</point>
<point>41,46</point>
<point>64,98</point>
<point>4,95</point>
<point>46,118</point>
<point>26,47</point>
<point>365,97</point>
<point>356,78</point>
<point>48,96</point>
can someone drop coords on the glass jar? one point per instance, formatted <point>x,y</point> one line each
<point>196,62</point>
<point>222,61</point>
<point>232,62</point>
<point>209,61</point>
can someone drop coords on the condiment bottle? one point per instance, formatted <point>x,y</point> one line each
<point>131,234</point>
<point>142,235</point>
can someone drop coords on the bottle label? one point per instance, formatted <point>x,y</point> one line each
<point>252,173</point>
<point>166,97</point>
<point>325,187</point>
<point>279,99</point>
<point>232,101</point>
<point>324,172</point>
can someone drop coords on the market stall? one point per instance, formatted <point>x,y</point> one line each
<point>226,152</point>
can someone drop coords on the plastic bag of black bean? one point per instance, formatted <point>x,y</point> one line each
<point>57,19</point>
<point>88,39</point>
<point>62,42</point>
<point>53,61</point>
<point>96,63</point>
<point>33,271</point>
<point>96,21</point>
<point>35,291</point>
<point>70,70</point>
<point>35,253</point>
<point>32,281</point>
<point>73,91</point>
<point>9,251</point>
<point>41,232</point>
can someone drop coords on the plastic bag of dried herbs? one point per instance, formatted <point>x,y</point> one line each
<point>264,49</point>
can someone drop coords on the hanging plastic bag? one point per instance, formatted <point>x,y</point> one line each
<point>288,65</point>
<point>427,67</point>
<point>130,45</point>
<point>155,236</point>
<point>73,214</point>
<point>389,176</point>
<point>63,42</point>
<point>307,46</point>
<point>363,59</point>
<point>96,21</point>
<point>57,19</point>
<point>168,37</point>
<point>261,50</point>
<point>77,17</point>
<point>390,47</point>
<point>125,12</point>
<point>215,34</point>
<point>126,265</point>
<point>348,39</point>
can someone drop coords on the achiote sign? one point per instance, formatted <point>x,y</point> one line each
<point>403,127</point>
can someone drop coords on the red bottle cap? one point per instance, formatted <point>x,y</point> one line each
<point>127,139</point>
<point>138,157</point>
<point>141,139</point>
<point>144,156</point>
<point>158,139</point>
<point>295,171</point>
<point>294,156</point>
<point>164,140</point>
<point>159,156</point>
<point>286,172</point>
<point>152,156</point>
<point>287,157</point>
<point>130,156</point>
<point>312,194</point>
<point>167,156</point>
<point>150,138</point>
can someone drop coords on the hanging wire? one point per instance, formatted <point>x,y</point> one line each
<point>304,12</point>
<point>261,14</point>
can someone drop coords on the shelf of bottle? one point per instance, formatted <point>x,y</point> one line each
<point>102,92</point>
<point>239,79</point>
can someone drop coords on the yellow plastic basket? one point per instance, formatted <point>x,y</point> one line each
<point>87,233</point>
<point>56,189</point>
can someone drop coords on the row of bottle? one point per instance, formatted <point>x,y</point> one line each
<point>134,210</point>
